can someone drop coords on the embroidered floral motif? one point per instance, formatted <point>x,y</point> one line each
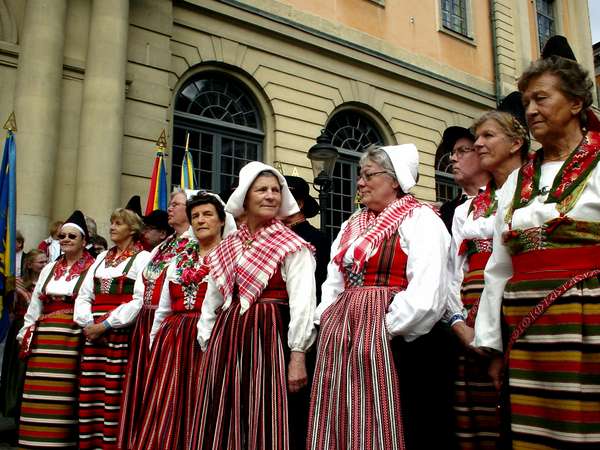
<point>472,246</point>
<point>191,270</point>
<point>485,203</point>
<point>148,291</point>
<point>105,284</point>
<point>166,252</point>
<point>80,266</point>
<point>113,260</point>
<point>573,173</point>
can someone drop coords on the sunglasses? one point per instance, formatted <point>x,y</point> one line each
<point>71,236</point>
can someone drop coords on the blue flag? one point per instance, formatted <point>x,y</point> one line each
<point>8,226</point>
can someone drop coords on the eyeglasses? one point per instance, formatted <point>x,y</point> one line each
<point>462,150</point>
<point>368,175</point>
<point>71,236</point>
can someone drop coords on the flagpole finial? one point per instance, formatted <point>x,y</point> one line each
<point>11,122</point>
<point>161,142</point>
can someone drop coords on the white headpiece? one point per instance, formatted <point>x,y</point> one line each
<point>248,174</point>
<point>230,225</point>
<point>405,159</point>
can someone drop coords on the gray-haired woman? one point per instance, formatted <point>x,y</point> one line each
<point>385,279</point>
<point>542,275</point>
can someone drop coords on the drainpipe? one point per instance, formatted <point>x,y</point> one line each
<point>497,86</point>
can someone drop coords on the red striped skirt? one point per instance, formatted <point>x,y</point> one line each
<point>554,367</point>
<point>172,383</point>
<point>135,378</point>
<point>103,368</point>
<point>242,401</point>
<point>475,404</point>
<point>355,400</point>
<point>49,406</point>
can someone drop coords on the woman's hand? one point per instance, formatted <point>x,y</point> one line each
<point>496,370</point>
<point>297,377</point>
<point>465,333</point>
<point>94,331</point>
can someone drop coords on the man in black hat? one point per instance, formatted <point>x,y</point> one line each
<point>156,228</point>
<point>299,402</point>
<point>297,222</point>
<point>466,169</point>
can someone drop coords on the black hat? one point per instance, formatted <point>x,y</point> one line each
<point>158,219</point>
<point>453,134</point>
<point>225,194</point>
<point>558,46</point>
<point>134,204</point>
<point>299,189</point>
<point>513,105</point>
<point>77,219</point>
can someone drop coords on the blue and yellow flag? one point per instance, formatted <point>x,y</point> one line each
<point>188,180</point>
<point>8,225</point>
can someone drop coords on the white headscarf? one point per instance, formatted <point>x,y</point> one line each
<point>230,225</point>
<point>248,174</point>
<point>405,159</point>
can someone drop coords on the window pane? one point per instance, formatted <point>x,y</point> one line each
<point>454,15</point>
<point>545,20</point>
<point>217,153</point>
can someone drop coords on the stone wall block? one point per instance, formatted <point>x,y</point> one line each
<point>156,15</point>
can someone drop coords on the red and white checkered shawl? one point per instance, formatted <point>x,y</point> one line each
<point>249,261</point>
<point>368,230</point>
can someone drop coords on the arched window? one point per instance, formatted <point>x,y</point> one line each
<point>224,126</point>
<point>351,133</point>
<point>445,187</point>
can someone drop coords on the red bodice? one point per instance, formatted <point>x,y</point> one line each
<point>387,267</point>
<point>153,288</point>
<point>178,300</point>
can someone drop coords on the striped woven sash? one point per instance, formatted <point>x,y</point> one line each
<point>575,264</point>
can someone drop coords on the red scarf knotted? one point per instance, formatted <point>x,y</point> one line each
<point>371,229</point>
<point>249,261</point>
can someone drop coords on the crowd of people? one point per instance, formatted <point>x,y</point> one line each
<point>238,326</point>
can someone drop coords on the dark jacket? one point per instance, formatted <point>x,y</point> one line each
<point>322,247</point>
<point>447,210</point>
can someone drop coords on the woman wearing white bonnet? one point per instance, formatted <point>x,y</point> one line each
<point>385,279</point>
<point>256,321</point>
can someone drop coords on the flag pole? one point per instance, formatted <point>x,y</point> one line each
<point>8,222</point>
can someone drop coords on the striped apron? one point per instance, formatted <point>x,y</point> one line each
<point>475,404</point>
<point>242,401</point>
<point>49,407</point>
<point>103,367</point>
<point>355,400</point>
<point>554,363</point>
<point>172,377</point>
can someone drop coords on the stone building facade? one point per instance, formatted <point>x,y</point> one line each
<point>94,82</point>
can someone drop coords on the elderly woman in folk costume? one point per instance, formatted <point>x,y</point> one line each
<point>385,279</point>
<point>146,295</point>
<point>543,274</point>
<point>52,343</point>
<point>502,144</point>
<point>256,320</point>
<point>174,370</point>
<point>105,308</point>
